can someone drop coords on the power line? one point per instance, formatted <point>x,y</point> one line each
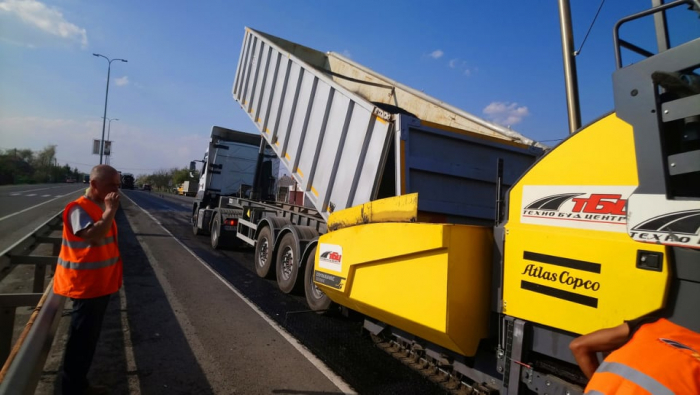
<point>576,53</point>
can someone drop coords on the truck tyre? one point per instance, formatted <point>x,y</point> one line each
<point>288,264</point>
<point>315,298</point>
<point>195,230</point>
<point>263,253</point>
<point>218,239</point>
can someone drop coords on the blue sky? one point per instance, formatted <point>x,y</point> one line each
<point>498,60</point>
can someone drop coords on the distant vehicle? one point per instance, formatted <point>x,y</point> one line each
<point>188,188</point>
<point>127,181</point>
<point>86,179</point>
<point>70,180</point>
<point>147,187</point>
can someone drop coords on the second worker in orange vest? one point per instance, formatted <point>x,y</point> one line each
<point>88,271</point>
<point>651,356</point>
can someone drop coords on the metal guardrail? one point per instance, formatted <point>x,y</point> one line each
<point>25,361</point>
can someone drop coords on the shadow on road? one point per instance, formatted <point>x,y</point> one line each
<point>142,348</point>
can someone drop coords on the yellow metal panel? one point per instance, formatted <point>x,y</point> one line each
<point>394,209</point>
<point>601,154</point>
<point>569,262</point>
<point>411,299</point>
<point>431,280</point>
<point>578,300</point>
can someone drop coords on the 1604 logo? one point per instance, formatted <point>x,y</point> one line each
<point>330,256</point>
<point>598,208</point>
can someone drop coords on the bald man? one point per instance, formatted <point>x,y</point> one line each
<point>89,271</point>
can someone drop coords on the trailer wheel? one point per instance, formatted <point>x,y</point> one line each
<point>195,230</point>
<point>218,239</point>
<point>263,253</point>
<point>315,298</point>
<point>288,264</point>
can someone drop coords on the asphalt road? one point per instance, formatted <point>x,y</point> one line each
<point>23,208</point>
<point>192,320</point>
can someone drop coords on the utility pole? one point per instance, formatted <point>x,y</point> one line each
<point>104,117</point>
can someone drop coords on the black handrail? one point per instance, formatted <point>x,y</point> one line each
<point>622,43</point>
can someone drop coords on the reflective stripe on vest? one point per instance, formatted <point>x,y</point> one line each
<point>86,270</point>
<point>644,381</point>
<point>85,244</point>
<point>87,265</point>
<point>659,358</point>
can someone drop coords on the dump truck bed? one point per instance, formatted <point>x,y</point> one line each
<point>343,132</point>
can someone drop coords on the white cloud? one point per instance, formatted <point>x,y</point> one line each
<point>347,54</point>
<point>122,81</point>
<point>505,113</point>
<point>134,149</point>
<point>30,23</point>
<point>436,54</point>
<point>462,66</point>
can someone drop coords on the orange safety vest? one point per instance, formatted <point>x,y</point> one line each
<point>85,270</point>
<point>661,358</point>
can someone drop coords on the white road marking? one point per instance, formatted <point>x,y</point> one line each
<point>133,379</point>
<point>30,194</point>
<point>29,208</point>
<point>45,195</point>
<point>325,370</point>
<point>34,190</point>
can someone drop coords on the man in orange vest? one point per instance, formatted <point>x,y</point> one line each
<point>650,355</point>
<point>88,271</point>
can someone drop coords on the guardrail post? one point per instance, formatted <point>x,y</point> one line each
<point>7,324</point>
<point>39,273</point>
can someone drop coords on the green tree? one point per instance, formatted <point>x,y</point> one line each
<point>43,163</point>
<point>180,176</point>
<point>14,168</point>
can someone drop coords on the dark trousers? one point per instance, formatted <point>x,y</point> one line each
<point>85,327</point>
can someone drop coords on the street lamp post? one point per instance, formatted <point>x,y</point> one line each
<point>109,128</point>
<point>104,117</point>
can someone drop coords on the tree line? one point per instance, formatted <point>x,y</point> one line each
<point>24,166</point>
<point>166,180</point>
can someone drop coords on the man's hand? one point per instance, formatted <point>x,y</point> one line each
<point>99,229</point>
<point>606,340</point>
<point>112,201</point>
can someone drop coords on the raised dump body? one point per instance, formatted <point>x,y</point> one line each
<point>349,135</point>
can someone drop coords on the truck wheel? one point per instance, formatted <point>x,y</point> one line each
<point>263,253</point>
<point>218,240</point>
<point>315,298</point>
<point>287,264</point>
<point>195,230</point>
